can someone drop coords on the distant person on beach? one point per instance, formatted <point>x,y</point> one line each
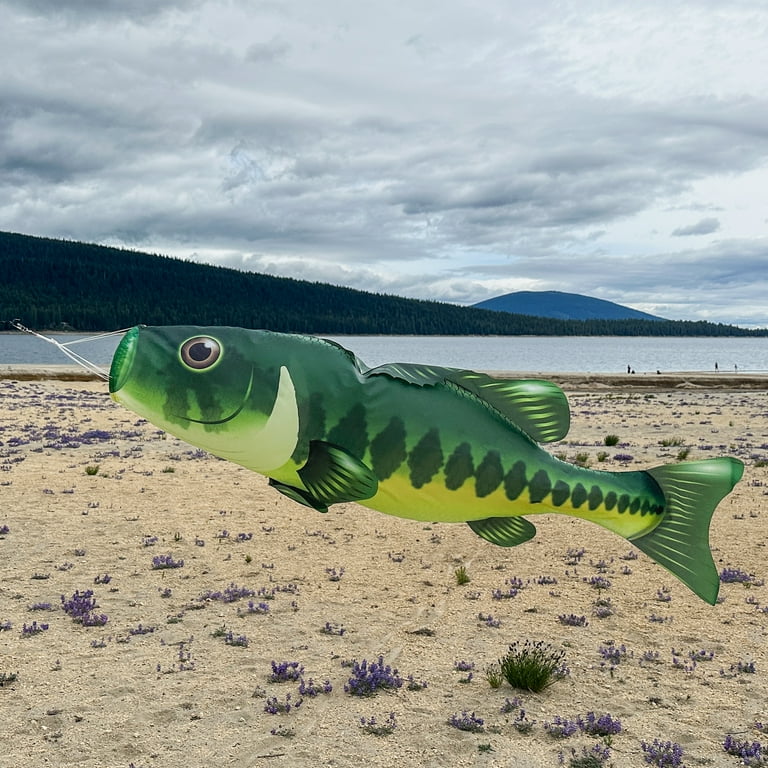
<point>716,368</point>
<point>629,369</point>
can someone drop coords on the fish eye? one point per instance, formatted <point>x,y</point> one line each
<point>200,352</point>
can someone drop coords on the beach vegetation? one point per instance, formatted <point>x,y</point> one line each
<point>467,722</point>
<point>736,576</point>
<point>164,562</point>
<point>582,459</point>
<point>662,754</point>
<point>522,723</point>
<point>461,575</point>
<point>6,678</point>
<point>274,706</point>
<point>286,672</point>
<point>28,630</point>
<point>595,756</point>
<point>312,689</point>
<point>494,675</point>
<point>572,620</point>
<point>510,705</point>
<point>368,678</point>
<point>532,665</point>
<point>81,607</point>
<point>749,752</point>
<point>375,728</point>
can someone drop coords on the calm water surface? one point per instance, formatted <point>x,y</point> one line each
<point>596,354</point>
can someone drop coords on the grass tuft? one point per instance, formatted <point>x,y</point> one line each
<point>532,666</point>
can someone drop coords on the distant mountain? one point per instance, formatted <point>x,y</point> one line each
<point>563,306</point>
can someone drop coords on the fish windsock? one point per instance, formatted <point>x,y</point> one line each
<point>417,441</point>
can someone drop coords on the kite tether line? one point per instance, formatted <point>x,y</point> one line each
<point>71,354</point>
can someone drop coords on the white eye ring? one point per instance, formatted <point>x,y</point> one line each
<point>200,352</point>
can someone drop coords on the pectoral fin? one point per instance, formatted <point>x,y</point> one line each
<point>332,475</point>
<point>504,531</point>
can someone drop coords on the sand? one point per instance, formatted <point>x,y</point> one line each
<point>91,495</point>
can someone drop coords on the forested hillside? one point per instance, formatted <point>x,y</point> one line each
<point>50,284</point>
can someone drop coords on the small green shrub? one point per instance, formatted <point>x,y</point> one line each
<point>611,440</point>
<point>7,677</point>
<point>532,666</point>
<point>462,577</point>
<point>582,459</point>
<point>92,469</point>
<point>494,676</point>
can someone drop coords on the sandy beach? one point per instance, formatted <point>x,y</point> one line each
<point>203,577</point>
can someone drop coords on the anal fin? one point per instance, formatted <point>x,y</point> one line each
<point>504,531</point>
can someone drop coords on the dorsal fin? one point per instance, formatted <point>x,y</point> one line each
<point>539,408</point>
<point>413,373</point>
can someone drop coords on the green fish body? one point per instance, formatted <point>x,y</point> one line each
<point>420,442</point>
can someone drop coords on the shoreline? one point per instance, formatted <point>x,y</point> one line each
<point>205,578</point>
<point>569,380</point>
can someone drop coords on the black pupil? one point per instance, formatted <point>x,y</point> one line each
<point>200,352</point>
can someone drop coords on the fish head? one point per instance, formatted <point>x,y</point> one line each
<point>217,388</point>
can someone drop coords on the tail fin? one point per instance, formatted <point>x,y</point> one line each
<point>680,543</point>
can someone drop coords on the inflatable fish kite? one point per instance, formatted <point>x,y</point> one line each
<point>415,441</point>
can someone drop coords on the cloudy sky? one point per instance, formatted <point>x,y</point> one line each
<point>449,150</point>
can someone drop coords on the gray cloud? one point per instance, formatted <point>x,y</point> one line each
<point>453,157</point>
<point>86,11</point>
<point>702,227</point>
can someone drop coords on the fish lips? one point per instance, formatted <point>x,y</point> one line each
<point>232,415</point>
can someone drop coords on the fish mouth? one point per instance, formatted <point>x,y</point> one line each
<point>232,415</point>
<point>122,361</point>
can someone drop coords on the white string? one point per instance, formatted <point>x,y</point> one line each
<point>96,337</point>
<point>74,356</point>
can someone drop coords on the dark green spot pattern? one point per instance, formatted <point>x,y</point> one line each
<point>515,481</point>
<point>388,450</point>
<point>351,432</point>
<point>579,496</point>
<point>459,467</point>
<point>560,493</point>
<point>540,486</point>
<point>595,498</point>
<point>489,474</point>
<point>425,459</point>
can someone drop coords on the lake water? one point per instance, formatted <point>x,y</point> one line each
<point>578,354</point>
